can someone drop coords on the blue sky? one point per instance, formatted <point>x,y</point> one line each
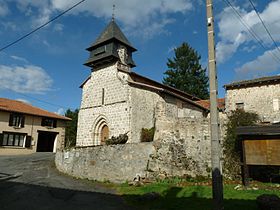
<point>46,69</point>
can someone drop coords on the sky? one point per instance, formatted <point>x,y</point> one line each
<point>46,68</point>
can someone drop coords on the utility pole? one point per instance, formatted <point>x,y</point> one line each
<point>217,183</point>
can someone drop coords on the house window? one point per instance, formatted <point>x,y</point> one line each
<point>13,139</point>
<point>239,106</point>
<point>49,122</point>
<point>16,120</point>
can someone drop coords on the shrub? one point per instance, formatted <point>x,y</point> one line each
<point>147,134</point>
<point>237,118</point>
<point>232,145</point>
<point>121,139</point>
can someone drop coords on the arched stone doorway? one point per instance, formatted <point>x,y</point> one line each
<point>104,134</point>
<point>100,130</point>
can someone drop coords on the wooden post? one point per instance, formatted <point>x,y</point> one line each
<point>245,169</point>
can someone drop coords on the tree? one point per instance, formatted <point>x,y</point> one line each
<point>71,128</point>
<point>185,72</point>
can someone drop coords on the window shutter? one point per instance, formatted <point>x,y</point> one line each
<point>28,141</point>
<point>22,121</point>
<point>54,123</point>
<point>43,122</point>
<point>1,139</point>
<point>11,120</point>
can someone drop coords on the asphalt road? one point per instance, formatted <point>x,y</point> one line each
<point>30,182</point>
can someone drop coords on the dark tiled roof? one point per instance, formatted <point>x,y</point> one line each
<point>146,82</point>
<point>254,82</point>
<point>112,31</point>
<point>270,129</point>
<point>21,107</point>
<point>139,78</point>
<point>206,103</point>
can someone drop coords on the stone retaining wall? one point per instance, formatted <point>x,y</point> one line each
<point>115,163</point>
<point>181,147</point>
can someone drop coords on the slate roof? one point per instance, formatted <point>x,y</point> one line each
<point>112,31</point>
<point>145,80</point>
<point>9,105</point>
<point>206,103</point>
<point>254,82</point>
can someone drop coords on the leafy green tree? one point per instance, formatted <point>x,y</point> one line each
<point>71,128</point>
<point>185,72</point>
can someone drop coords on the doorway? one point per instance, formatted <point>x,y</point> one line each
<point>104,134</point>
<point>46,141</point>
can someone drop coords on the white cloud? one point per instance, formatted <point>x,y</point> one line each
<point>233,34</point>
<point>264,64</point>
<point>46,43</point>
<point>25,79</point>
<point>4,10</point>
<point>8,25</point>
<point>225,50</point>
<point>44,16</point>
<point>154,28</point>
<point>171,49</point>
<point>39,11</point>
<point>249,48</point>
<point>19,58</point>
<point>60,111</point>
<point>58,27</point>
<point>23,100</point>
<point>129,12</point>
<point>151,19</point>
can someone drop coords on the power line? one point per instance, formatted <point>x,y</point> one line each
<point>253,34</point>
<point>264,26</point>
<point>33,31</point>
<point>41,26</point>
<point>42,101</point>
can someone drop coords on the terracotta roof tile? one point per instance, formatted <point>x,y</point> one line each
<point>21,107</point>
<point>206,103</point>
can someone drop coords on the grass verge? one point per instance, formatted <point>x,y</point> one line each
<point>193,195</point>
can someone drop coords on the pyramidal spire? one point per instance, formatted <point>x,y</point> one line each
<point>110,46</point>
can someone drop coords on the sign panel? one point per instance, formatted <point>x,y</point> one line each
<point>262,152</point>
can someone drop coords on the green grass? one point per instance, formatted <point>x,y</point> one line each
<point>176,195</point>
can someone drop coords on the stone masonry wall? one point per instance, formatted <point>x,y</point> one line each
<point>182,145</point>
<point>143,104</point>
<point>115,110</point>
<point>264,100</point>
<point>115,163</point>
<point>143,109</point>
<point>176,108</point>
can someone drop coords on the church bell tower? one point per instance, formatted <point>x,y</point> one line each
<point>111,46</point>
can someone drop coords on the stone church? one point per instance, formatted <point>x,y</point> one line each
<point>116,100</point>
